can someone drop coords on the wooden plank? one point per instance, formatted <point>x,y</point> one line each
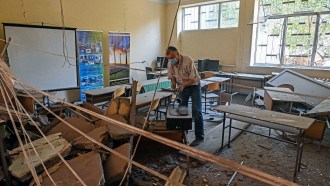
<point>115,167</point>
<point>47,154</point>
<point>288,120</point>
<point>321,109</point>
<point>88,166</point>
<point>67,132</point>
<point>177,176</point>
<point>99,134</point>
<point>132,113</point>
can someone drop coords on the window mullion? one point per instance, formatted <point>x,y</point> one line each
<point>219,16</point>
<point>316,39</point>
<point>285,29</point>
<point>199,17</point>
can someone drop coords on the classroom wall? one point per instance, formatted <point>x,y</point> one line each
<point>144,19</point>
<point>231,46</point>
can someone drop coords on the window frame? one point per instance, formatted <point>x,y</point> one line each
<point>254,43</point>
<point>199,16</point>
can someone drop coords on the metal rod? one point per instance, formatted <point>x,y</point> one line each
<point>233,176</point>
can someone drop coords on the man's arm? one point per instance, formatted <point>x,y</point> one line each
<point>191,79</point>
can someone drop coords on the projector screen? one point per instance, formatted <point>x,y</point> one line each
<point>43,70</point>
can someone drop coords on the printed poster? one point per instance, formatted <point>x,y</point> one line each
<point>90,55</point>
<point>119,57</point>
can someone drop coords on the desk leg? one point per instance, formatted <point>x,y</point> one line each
<point>299,142</point>
<point>229,136</point>
<point>223,130</point>
<point>301,150</point>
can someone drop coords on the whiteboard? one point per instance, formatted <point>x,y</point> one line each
<point>42,70</point>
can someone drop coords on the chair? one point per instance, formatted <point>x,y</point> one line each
<point>119,92</point>
<point>153,108</point>
<point>210,89</point>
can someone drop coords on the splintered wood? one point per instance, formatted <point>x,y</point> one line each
<point>114,167</point>
<point>47,154</point>
<point>177,176</point>
<point>88,166</point>
<point>67,132</point>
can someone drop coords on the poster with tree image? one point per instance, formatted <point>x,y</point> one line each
<point>119,58</point>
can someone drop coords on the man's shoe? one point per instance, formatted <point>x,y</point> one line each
<point>196,142</point>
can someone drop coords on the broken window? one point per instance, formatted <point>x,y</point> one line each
<point>292,33</point>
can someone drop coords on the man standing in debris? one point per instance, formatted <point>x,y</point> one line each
<point>186,80</point>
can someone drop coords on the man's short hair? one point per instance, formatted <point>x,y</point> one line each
<point>171,49</point>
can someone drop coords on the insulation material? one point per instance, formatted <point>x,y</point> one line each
<point>115,167</point>
<point>68,133</point>
<point>88,167</point>
<point>47,154</point>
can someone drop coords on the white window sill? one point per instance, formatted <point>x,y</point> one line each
<point>291,67</point>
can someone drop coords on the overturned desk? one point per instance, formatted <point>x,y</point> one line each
<point>278,94</point>
<point>269,119</point>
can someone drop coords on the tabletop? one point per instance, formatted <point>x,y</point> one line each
<point>322,108</point>
<point>146,98</point>
<point>211,80</point>
<point>105,90</point>
<point>288,120</point>
<point>283,96</point>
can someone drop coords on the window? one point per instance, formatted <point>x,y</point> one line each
<point>211,16</point>
<point>292,33</point>
<point>191,18</point>
<point>229,14</point>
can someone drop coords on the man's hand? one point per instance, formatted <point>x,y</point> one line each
<point>180,88</point>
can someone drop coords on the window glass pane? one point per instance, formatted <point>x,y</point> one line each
<point>229,14</point>
<point>209,16</point>
<point>276,7</point>
<point>299,41</point>
<point>322,57</point>
<point>190,18</point>
<point>269,42</point>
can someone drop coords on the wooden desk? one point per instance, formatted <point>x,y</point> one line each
<point>145,99</point>
<point>322,109</point>
<point>244,76</point>
<point>269,119</point>
<point>28,102</point>
<point>272,95</point>
<point>207,81</point>
<point>102,94</point>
